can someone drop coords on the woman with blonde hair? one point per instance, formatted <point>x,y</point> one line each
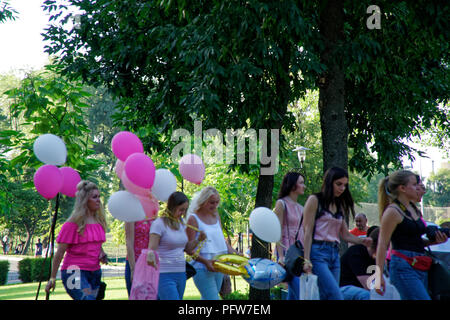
<point>168,237</point>
<point>205,217</point>
<point>401,224</point>
<point>80,240</point>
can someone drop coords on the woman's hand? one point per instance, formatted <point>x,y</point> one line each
<point>210,265</point>
<point>151,258</point>
<point>307,266</point>
<point>51,284</point>
<point>103,257</point>
<point>440,237</point>
<point>201,236</point>
<point>380,285</point>
<point>367,241</point>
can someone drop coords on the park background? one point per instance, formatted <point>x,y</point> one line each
<point>41,96</point>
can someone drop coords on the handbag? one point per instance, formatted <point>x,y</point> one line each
<point>145,279</point>
<point>293,259</point>
<point>438,279</point>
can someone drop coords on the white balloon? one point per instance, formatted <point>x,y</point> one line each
<point>50,149</point>
<point>164,185</point>
<point>265,224</point>
<point>125,206</point>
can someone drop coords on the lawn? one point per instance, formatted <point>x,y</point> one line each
<point>115,290</point>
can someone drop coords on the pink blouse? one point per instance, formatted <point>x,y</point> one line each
<point>291,221</point>
<point>83,250</point>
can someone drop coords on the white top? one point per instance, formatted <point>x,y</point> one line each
<point>215,241</point>
<point>171,246</point>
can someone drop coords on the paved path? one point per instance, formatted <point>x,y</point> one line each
<point>13,274</point>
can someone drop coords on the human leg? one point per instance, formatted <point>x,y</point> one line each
<point>171,285</point>
<point>355,293</point>
<point>208,283</point>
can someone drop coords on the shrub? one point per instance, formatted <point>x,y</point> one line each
<point>4,268</point>
<point>30,269</point>
<point>236,295</point>
<point>25,270</point>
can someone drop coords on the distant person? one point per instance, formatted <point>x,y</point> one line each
<point>354,268</point>
<point>80,244</point>
<point>361,225</point>
<point>38,249</point>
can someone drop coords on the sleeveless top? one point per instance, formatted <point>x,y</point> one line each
<point>141,237</point>
<point>328,225</point>
<point>407,234</point>
<point>214,244</point>
<point>292,215</point>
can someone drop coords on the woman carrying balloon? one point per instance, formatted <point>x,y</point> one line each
<point>80,239</point>
<point>289,211</point>
<point>168,237</point>
<point>206,218</point>
<point>322,228</point>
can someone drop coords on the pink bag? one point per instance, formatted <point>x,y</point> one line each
<point>145,279</point>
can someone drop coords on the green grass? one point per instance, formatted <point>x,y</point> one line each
<point>115,290</point>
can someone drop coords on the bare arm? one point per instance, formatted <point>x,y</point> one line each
<point>309,217</point>
<point>129,239</point>
<point>59,254</point>
<point>153,245</point>
<point>391,218</point>
<point>279,211</point>
<point>348,237</point>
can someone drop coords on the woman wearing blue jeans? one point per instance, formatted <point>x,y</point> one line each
<point>401,225</point>
<point>168,237</point>
<point>323,227</point>
<point>205,217</point>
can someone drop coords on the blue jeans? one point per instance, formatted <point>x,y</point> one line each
<point>208,283</point>
<point>294,289</point>
<point>412,284</point>
<point>81,284</point>
<point>326,265</point>
<point>355,293</point>
<point>171,285</point>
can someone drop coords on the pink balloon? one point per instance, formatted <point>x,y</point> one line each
<point>70,180</point>
<point>140,170</point>
<point>132,188</point>
<point>48,181</point>
<point>119,168</point>
<point>150,205</point>
<point>125,143</point>
<point>192,168</point>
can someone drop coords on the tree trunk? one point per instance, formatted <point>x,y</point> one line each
<point>331,94</point>
<point>260,248</point>
<point>333,121</point>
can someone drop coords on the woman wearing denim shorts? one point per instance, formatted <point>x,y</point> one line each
<point>401,224</point>
<point>323,227</point>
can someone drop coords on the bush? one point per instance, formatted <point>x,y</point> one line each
<point>25,270</point>
<point>30,269</point>
<point>236,295</point>
<point>4,268</point>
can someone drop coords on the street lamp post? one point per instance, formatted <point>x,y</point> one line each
<point>301,155</point>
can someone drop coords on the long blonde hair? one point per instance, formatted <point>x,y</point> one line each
<point>78,216</point>
<point>204,196</point>
<point>388,188</point>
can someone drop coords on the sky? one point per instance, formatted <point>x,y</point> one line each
<point>23,49</point>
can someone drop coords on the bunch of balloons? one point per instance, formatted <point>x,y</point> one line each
<point>49,180</point>
<point>137,172</point>
<point>145,184</point>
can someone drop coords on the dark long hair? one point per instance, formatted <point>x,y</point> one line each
<point>288,183</point>
<point>326,195</point>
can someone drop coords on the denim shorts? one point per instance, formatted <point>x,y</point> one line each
<point>81,284</point>
<point>412,284</point>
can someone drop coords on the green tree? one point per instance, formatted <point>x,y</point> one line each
<point>6,11</point>
<point>438,187</point>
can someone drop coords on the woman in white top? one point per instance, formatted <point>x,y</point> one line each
<point>207,219</point>
<point>168,237</point>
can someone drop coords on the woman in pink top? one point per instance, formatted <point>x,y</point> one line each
<point>323,227</point>
<point>80,239</point>
<point>290,212</point>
